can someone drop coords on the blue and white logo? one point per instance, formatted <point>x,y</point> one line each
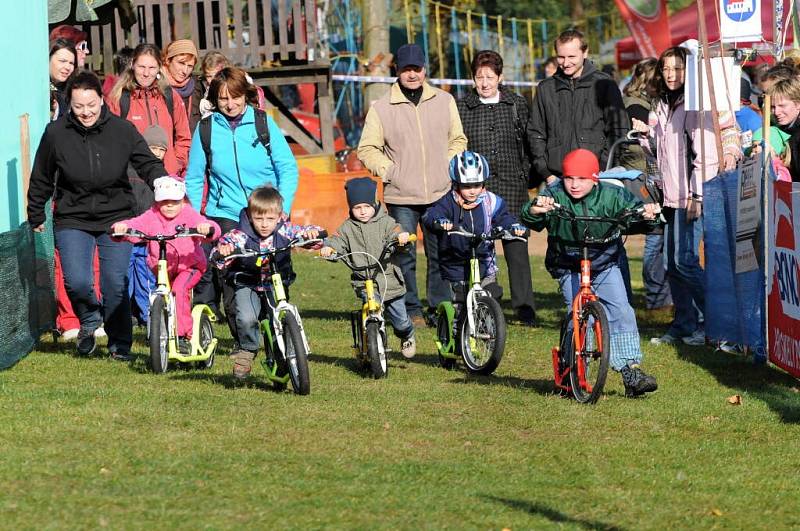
<point>740,10</point>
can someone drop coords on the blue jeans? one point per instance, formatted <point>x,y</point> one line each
<point>609,286</point>
<point>248,306</point>
<point>408,216</point>
<point>654,273</point>
<point>76,248</point>
<point>141,283</point>
<point>685,276</point>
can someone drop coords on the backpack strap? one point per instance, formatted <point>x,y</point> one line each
<point>205,140</point>
<point>262,129</point>
<point>170,104</point>
<point>124,103</point>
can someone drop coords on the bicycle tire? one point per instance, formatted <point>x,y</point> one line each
<point>377,360</point>
<point>206,337</point>
<point>159,336</point>
<point>296,355</point>
<point>490,329</point>
<point>593,363</point>
<point>443,332</point>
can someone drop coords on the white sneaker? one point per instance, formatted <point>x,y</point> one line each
<point>730,348</point>
<point>100,332</point>
<point>408,348</point>
<point>70,335</point>
<point>666,339</point>
<point>697,339</point>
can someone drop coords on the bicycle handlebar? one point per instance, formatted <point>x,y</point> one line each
<point>295,242</point>
<point>389,248</point>
<point>497,233</point>
<point>180,232</point>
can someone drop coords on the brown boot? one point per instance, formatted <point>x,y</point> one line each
<point>243,363</point>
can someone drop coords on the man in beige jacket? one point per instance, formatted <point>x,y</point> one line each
<point>409,137</point>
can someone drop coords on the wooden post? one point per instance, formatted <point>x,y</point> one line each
<point>25,154</point>
<point>376,44</point>
<point>707,64</point>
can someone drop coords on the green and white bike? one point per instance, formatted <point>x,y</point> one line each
<point>472,327</point>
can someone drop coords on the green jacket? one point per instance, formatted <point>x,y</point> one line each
<point>354,236</point>
<point>564,237</point>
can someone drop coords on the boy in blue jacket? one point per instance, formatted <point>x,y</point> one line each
<point>471,207</point>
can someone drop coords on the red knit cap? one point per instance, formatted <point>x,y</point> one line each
<point>581,163</point>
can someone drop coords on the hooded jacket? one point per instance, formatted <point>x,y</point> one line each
<point>239,165</point>
<point>148,107</point>
<point>92,190</point>
<point>245,237</point>
<point>568,114</point>
<point>564,237</point>
<point>455,251</point>
<point>183,254</point>
<point>354,236</point>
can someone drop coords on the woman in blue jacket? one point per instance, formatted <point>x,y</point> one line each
<point>239,155</point>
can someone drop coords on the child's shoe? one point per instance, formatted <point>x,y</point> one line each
<point>408,347</point>
<point>636,381</point>
<point>184,346</point>
<point>243,363</point>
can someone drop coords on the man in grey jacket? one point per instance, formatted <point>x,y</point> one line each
<point>408,139</point>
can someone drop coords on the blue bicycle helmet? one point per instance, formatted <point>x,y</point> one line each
<point>469,168</point>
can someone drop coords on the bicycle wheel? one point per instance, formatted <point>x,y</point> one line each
<point>443,334</point>
<point>483,351</point>
<point>206,336</point>
<point>159,334</point>
<point>377,358</point>
<point>296,355</point>
<point>589,364</point>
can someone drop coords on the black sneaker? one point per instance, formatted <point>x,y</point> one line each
<point>184,346</point>
<point>637,382</point>
<point>121,355</point>
<point>86,343</point>
<point>527,317</point>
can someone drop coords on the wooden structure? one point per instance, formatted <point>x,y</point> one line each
<point>277,41</point>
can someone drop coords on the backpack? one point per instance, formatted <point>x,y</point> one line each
<point>262,130</point>
<point>125,104</point>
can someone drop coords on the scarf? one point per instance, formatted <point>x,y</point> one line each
<point>460,201</point>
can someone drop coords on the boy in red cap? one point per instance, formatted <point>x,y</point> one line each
<point>581,192</point>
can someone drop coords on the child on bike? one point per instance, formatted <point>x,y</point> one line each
<point>367,230</point>
<point>581,192</point>
<point>262,227</point>
<point>474,209</point>
<point>185,257</point>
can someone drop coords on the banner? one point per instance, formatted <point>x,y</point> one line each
<point>748,216</point>
<point>740,20</point>
<point>648,22</point>
<point>783,268</point>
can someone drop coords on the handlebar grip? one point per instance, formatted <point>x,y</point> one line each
<point>412,238</point>
<point>322,234</point>
<point>210,232</point>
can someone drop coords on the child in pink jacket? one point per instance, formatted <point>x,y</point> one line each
<point>185,258</point>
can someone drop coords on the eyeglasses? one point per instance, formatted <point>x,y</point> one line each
<point>82,46</point>
<point>669,69</point>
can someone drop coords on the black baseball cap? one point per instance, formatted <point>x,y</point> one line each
<point>409,55</point>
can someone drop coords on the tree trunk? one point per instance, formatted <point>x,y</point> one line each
<point>376,47</point>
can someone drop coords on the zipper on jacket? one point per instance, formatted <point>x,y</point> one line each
<point>236,162</point>
<point>91,173</point>
<point>147,107</point>
<point>424,156</point>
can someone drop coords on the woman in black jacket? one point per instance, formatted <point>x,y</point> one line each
<point>495,120</point>
<point>89,150</point>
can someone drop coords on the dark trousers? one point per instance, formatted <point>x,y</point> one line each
<point>77,249</point>
<point>519,274</point>
<point>408,216</point>
<point>212,286</point>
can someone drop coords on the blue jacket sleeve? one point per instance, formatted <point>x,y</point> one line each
<point>501,217</point>
<point>284,164</point>
<point>196,171</point>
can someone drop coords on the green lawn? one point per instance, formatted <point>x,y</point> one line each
<point>90,443</point>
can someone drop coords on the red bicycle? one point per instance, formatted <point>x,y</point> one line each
<point>580,362</point>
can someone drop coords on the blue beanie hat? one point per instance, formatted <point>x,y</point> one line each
<point>361,190</point>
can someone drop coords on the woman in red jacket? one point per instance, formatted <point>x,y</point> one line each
<point>143,97</point>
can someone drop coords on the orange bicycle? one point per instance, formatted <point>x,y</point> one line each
<point>580,362</point>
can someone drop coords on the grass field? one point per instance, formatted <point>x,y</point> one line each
<point>89,443</point>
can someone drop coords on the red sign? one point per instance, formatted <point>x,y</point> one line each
<point>783,299</point>
<point>648,22</point>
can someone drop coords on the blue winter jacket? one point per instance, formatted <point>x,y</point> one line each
<point>239,164</point>
<point>454,251</point>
